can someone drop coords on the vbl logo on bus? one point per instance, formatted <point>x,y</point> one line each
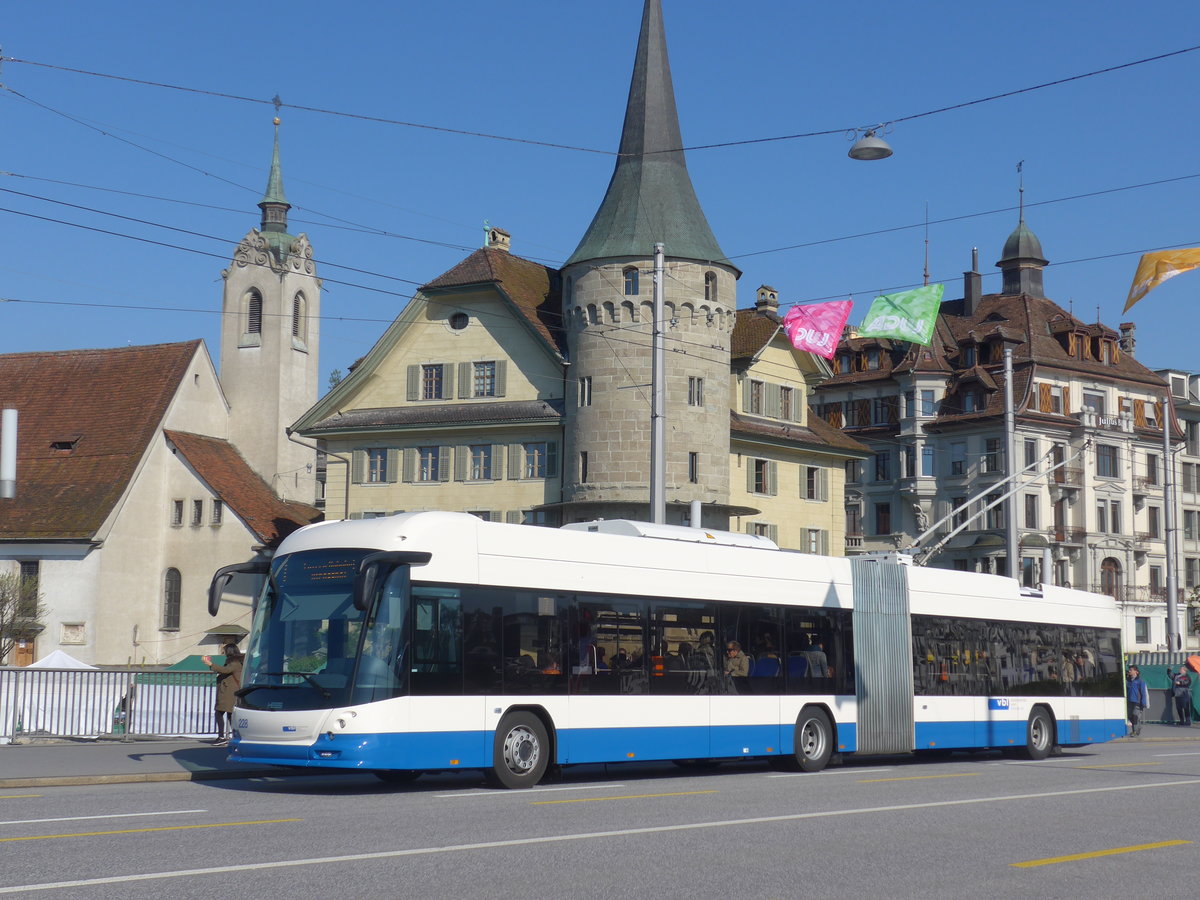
<point>998,703</point>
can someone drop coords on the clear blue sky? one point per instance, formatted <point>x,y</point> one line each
<point>546,70</point>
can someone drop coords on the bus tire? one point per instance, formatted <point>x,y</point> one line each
<point>814,739</point>
<point>397,776</point>
<point>520,751</point>
<point>1039,734</point>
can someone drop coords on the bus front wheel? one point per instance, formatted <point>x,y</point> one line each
<point>520,751</point>
<point>1039,734</point>
<point>814,740</point>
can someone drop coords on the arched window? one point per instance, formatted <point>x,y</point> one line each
<point>172,591</point>
<point>629,311</point>
<point>254,312</point>
<point>631,282</point>
<point>593,315</point>
<point>610,313</point>
<point>710,287</point>
<point>1110,577</point>
<point>298,316</point>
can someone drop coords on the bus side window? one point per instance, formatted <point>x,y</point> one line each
<point>437,641</point>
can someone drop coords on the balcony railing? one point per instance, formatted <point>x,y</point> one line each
<point>1068,476</point>
<point>1091,419</point>
<point>854,541</point>
<point>1145,485</point>
<point>1138,593</point>
<point>1068,535</point>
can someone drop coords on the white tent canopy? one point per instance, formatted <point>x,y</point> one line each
<point>58,659</point>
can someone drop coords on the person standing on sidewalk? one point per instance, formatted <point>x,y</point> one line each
<point>1181,690</point>
<point>229,681</point>
<point>1138,698</point>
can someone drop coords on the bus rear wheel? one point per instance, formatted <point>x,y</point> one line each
<point>814,739</point>
<point>520,751</point>
<point>1039,734</point>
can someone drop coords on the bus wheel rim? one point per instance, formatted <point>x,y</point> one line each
<point>812,739</point>
<point>521,750</point>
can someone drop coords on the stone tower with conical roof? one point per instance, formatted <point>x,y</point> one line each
<point>269,338</point>
<point>608,288</point>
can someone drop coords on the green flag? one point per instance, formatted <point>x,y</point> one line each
<point>906,316</point>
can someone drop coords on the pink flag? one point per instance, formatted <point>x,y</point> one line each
<point>817,328</point>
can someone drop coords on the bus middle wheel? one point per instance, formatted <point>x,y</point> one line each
<point>520,751</point>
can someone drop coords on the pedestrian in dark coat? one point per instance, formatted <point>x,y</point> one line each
<point>1181,691</point>
<point>229,681</point>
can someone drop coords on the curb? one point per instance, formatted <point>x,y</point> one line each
<point>137,778</point>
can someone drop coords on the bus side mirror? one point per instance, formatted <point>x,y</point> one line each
<point>225,574</point>
<point>377,566</point>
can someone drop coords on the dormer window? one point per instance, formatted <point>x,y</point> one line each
<point>873,358</point>
<point>968,354</point>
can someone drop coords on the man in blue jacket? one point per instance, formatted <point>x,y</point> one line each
<point>1138,699</point>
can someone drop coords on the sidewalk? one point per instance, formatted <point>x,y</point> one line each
<point>50,763</point>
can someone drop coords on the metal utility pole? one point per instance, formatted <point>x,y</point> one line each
<point>1010,454</point>
<point>1173,641</point>
<point>658,429</point>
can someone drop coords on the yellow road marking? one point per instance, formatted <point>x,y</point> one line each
<point>1049,861</point>
<point>45,837</point>
<point>626,797</point>
<point>1118,765</point>
<point>20,796</point>
<point>918,777</point>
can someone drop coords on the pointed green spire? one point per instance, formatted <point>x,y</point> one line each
<point>274,204</point>
<point>650,197</point>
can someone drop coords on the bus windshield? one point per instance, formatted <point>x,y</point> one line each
<point>310,648</point>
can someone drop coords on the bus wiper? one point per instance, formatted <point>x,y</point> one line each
<point>307,676</point>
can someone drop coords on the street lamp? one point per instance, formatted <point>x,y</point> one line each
<point>870,146</point>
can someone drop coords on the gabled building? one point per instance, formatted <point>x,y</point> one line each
<point>123,512</point>
<point>522,393</point>
<point>934,417</point>
<point>459,405</point>
<point>140,472</point>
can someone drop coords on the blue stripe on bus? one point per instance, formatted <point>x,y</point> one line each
<point>971,734</point>
<point>473,749</point>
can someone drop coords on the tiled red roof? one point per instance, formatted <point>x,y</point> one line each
<point>86,418</point>
<point>535,290</point>
<point>818,433</point>
<point>751,332</point>
<point>240,488</point>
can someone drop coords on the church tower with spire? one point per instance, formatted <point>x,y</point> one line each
<point>269,338</point>
<point>608,285</point>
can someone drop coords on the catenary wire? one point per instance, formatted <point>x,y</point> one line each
<point>278,103</point>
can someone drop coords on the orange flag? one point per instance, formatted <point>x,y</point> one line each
<point>1155,268</point>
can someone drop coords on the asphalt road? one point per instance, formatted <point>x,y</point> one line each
<point>1111,821</point>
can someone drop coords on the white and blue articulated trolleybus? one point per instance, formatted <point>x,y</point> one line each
<point>435,641</point>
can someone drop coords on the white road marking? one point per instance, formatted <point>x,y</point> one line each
<point>1177,754</point>
<point>585,787</point>
<point>582,836</point>
<point>166,812</point>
